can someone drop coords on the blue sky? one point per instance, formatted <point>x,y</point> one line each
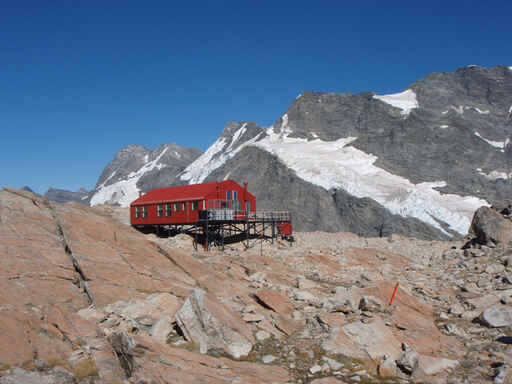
<point>80,80</point>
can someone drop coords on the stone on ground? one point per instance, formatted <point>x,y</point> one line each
<point>209,323</point>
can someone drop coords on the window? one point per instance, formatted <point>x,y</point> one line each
<point>168,209</point>
<point>235,195</point>
<point>183,207</point>
<point>228,194</point>
<point>237,205</point>
<point>137,211</point>
<point>194,206</point>
<point>176,207</point>
<point>247,206</point>
<point>144,211</point>
<point>159,210</point>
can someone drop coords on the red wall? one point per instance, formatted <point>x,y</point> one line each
<point>189,216</point>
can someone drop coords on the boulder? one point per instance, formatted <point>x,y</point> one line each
<point>161,328</point>
<point>370,304</point>
<point>209,323</point>
<point>360,340</point>
<point>496,316</point>
<point>275,301</point>
<point>408,362</point>
<point>387,367</point>
<point>434,365</point>
<point>503,207</point>
<point>489,226</point>
<point>305,296</point>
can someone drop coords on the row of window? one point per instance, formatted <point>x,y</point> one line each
<point>176,207</point>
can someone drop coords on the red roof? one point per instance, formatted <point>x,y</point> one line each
<point>179,193</point>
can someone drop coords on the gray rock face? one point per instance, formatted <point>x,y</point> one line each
<point>147,169</point>
<point>459,133</point>
<point>134,157</point>
<point>366,217</point>
<point>489,226</point>
<point>497,316</point>
<point>64,196</point>
<point>437,141</point>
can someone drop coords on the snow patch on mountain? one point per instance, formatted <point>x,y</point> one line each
<point>497,144</point>
<point>236,136</point>
<point>124,191</point>
<point>459,109</point>
<point>215,157</point>
<point>108,178</point>
<point>495,175</point>
<point>482,112</point>
<point>335,164</point>
<point>405,100</point>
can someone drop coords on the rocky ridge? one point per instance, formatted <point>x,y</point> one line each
<point>64,196</point>
<point>416,163</point>
<point>136,168</point>
<point>89,299</point>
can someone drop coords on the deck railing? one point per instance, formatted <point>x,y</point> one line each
<point>231,214</point>
<point>222,210</point>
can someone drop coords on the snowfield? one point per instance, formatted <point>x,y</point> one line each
<point>336,164</point>
<point>405,100</point>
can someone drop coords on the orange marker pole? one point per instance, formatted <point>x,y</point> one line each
<point>394,293</point>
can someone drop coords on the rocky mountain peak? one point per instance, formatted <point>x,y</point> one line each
<point>432,152</point>
<point>136,168</point>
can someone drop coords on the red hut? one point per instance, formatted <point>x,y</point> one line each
<point>214,213</point>
<point>182,204</point>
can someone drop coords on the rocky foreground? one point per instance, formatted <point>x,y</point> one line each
<point>87,299</point>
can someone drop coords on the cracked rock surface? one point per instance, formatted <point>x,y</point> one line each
<point>87,299</point>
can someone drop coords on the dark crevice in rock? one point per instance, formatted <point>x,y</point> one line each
<point>262,303</point>
<point>82,278</point>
